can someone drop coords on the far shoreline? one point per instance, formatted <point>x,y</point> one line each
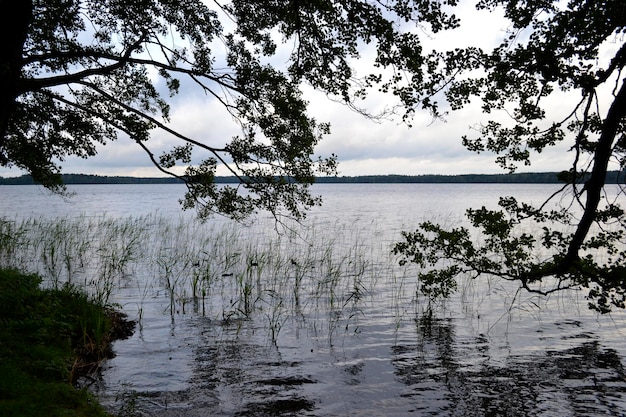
<point>613,177</point>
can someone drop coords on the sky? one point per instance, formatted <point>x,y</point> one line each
<point>363,146</point>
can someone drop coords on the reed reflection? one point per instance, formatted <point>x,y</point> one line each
<point>446,376</point>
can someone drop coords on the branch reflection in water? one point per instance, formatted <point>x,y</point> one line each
<point>238,321</point>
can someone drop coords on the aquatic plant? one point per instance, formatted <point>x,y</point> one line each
<point>223,270</point>
<point>12,241</point>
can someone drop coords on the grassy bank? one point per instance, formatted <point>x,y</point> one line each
<point>49,338</point>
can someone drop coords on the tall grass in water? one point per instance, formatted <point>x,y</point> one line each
<point>13,240</point>
<point>93,252</point>
<point>223,270</point>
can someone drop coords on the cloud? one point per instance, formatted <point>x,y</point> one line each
<point>362,145</point>
<point>195,115</point>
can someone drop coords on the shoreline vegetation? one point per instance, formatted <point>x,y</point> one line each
<point>613,177</point>
<point>51,341</point>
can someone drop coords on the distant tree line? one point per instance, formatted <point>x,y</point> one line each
<point>92,179</point>
<point>613,177</point>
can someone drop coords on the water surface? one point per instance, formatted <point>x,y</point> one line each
<point>321,321</point>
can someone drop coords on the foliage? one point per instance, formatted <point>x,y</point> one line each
<point>47,337</point>
<point>80,73</point>
<point>552,51</point>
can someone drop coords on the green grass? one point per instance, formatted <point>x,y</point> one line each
<point>48,338</point>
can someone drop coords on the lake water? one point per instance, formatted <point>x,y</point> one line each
<point>319,320</point>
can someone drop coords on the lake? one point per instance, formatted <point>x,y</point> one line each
<point>317,319</point>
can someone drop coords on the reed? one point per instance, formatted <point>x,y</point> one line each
<point>14,243</point>
<point>221,269</point>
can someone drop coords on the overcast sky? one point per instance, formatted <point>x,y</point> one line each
<point>362,146</point>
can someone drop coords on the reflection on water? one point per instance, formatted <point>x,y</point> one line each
<point>441,378</point>
<point>558,363</point>
<point>423,367</point>
<point>325,324</point>
<point>253,379</point>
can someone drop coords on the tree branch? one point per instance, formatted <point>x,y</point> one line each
<point>602,154</point>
